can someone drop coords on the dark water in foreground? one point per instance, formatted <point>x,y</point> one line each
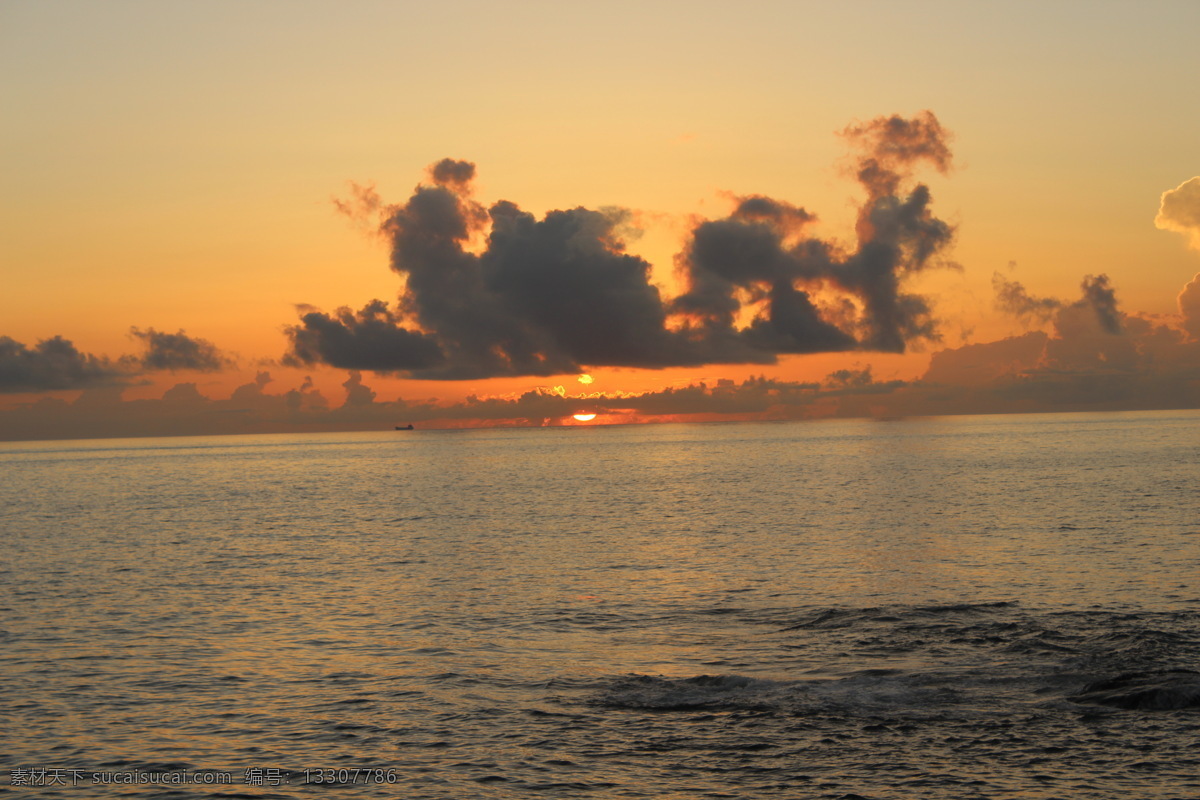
<point>992,607</point>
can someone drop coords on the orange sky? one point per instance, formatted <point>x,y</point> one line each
<point>173,166</point>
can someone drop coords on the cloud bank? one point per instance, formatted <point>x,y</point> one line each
<point>559,294</point>
<point>1093,357</point>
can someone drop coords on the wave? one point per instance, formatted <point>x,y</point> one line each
<point>870,693</point>
<point>921,661</point>
<point>1170,690</point>
<point>846,617</point>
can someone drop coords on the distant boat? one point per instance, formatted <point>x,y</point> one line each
<point>407,427</point>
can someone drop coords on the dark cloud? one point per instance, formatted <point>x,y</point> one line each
<point>55,364</point>
<point>897,234</point>
<point>1180,211</point>
<point>1102,299</point>
<point>497,291</point>
<point>178,351</point>
<point>781,215</point>
<point>758,252</point>
<point>544,297</point>
<point>456,174</point>
<point>849,378</point>
<point>51,365</point>
<point>1012,298</point>
<point>1099,299</point>
<point>752,258</point>
<point>371,338</point>
<point>566,282</point>
<point>891,146</point>
<point>447,294</point>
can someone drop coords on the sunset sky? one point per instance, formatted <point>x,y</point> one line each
<point>236,173</point>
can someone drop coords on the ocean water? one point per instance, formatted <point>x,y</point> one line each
<point>986,607</point>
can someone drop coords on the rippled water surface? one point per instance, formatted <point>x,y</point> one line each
<point>990,607</point>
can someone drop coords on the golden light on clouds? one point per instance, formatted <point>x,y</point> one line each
<point>675,206</point>
<point>1180,211</point>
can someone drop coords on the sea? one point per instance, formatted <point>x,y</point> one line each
<point>965,607</point>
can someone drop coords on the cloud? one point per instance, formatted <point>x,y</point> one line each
<point>56,364</point>
<point>570,294</point>
<point>371,338</point>
<point>849,378</point>
<point>1179,211</point>
<point>760,250</point>
<point>1102,299</point>
<point>51,365</point>
<point>986,362</point>
<point>1095,358</point>
<point>756,395</point>
<point>893,145</point>
<point>1189,307</point>
<point>456,174</point>
<point>1099,300</point>
<point>1012,298</point>
<point>1088,337</point>
<point>305,398</point>
<point>362,207</point>
<point>755,253</point>
<point>545,296</point>
<point>101,411</point>
<point>358,394</point>
<point>1079,366</point>
<point>178,351</point>
<point>497,291</point>
<point>252,408</point>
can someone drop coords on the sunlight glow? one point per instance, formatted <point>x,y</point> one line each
<point>585,417</point>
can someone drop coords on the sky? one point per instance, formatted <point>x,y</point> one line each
<point>225,217</point>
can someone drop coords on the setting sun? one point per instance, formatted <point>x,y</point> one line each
<point>886,315</point>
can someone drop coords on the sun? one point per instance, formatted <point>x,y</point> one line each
<point>585,417</point>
